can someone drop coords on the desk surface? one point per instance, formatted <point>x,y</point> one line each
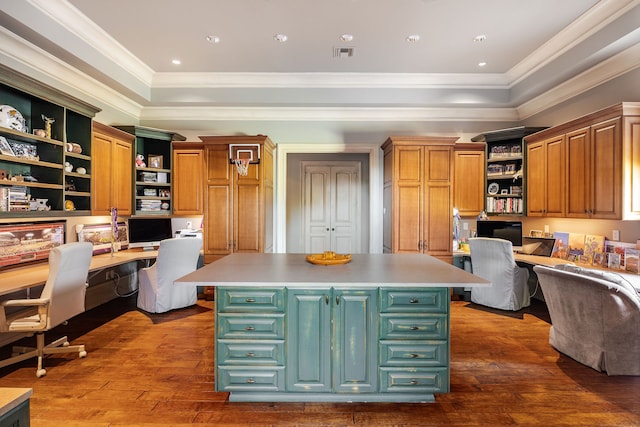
<point>24,277</point>
<point>634,279</point>
<point>364,270</point>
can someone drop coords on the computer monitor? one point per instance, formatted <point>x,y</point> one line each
<point>507,230</point>
<point>147,233</point>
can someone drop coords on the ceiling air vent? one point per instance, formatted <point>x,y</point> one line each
<point>342,52</point>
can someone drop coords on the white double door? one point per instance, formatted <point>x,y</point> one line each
<point>331,203</point>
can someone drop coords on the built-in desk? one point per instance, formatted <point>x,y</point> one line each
<point>14,406</point>
<point>28,276</point>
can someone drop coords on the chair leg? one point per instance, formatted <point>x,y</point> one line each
<point>58,346</point>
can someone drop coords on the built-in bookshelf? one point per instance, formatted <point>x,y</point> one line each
<point>153,172</point>
<point>505,170</point>
<point>45,149</point>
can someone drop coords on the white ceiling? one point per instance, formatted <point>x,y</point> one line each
<point>117,55</point>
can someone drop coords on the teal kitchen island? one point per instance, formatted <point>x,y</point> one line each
<point>373,330</point>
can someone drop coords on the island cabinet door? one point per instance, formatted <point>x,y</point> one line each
<point>331,341</point>
<point>308,340</point>
<point>355,360</point>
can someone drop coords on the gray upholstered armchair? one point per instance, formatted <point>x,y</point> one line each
<point>595,317</point>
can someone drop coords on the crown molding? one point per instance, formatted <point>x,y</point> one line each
<point>326,80</point>
<point>328,114</point>
<point>71,19</point>
<point>588,24</point>
<point>603,72</point>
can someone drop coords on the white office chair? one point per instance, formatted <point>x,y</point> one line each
<point>62,297</point>
<point>493,260</point>
<point>176,258</point>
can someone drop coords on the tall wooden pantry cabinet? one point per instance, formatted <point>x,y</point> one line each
<point>238,214</point>
<point>418,196</point>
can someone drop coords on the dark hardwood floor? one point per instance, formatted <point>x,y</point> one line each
<point>158,370</point>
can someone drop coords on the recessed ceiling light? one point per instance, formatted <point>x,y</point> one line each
<point>176,62</point>
<point>213,39</point>
<point>281,38</point>
<point>480,38</point>
<point>482,64</point>
<point>413,38</point>
<point>346,37</point>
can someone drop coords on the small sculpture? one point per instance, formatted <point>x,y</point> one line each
<point>47,125</point>
<point>140,161</point>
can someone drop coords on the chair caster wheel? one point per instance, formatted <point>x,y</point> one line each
<point>41,373</point>
<point>82,354</point>
<point>65,344</point>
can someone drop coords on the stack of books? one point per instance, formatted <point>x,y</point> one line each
<point>149,205</point>
<point>15,199</point>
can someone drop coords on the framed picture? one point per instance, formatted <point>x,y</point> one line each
<point>598,259</point>
<point>535,233</point>
<point>5,148</point>
<point>155,161</point>
<point>510,168</point>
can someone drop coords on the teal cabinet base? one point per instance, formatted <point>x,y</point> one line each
<point>332,397</point>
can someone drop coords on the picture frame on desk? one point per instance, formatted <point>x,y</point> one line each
<point>613,261</point>
<point>598,259</point>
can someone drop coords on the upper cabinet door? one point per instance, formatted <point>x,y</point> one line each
<point>188,181</point>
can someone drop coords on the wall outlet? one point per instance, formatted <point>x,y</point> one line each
<point>615,235</point>
<point>546,228</point>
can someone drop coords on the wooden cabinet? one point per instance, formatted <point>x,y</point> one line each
<point>601,161</point>
<point>505,170</point>
<point>188,182</point>
<point>238,214</point>
<point>315,319</point>
<point>417,195</point>
<point>152,181</point>
<point>112,153</point>
<point>546,177</point>
<point>468,178</point>
<point>53,170</point>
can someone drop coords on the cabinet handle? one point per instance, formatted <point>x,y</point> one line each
<point>414,356</point>
<point>250,354</point>
<point>250,300</point>
<point>327,228</point>
<point>414,301</point>
<point>414,382</point>
<point>419,245</point>
<point>251,381</point>
<point>249,328</point>
<point>326,299</point>
<point>414,328</point>
<point>337,300</point>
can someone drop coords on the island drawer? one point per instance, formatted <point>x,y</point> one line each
<point>428,326</point>
<point>250,299</point>
<point>433,300</point>
<point>241,352</point>
<point>240,325</point>
<point>414,353</point>
<point>250,378</point>
<point>421,380</point>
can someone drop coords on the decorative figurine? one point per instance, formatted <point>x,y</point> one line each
<point>140,161</point>
<point>47,125</point>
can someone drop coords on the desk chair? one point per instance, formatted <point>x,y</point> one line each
<point>493,260</point>
<point>176,258</point>
<point>62,298</point>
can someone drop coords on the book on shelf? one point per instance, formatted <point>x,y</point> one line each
<point>631,256</point>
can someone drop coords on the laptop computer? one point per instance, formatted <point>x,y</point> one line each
<point>542,246</point>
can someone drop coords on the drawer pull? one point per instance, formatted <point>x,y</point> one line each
<point>251,354</point>
<point>414,301</point>
<point>250,300</point>
<point>414,382</point>
<point>251,381</point>
<point>414,328</point>
<point>249,328</point>
<point>414,355</point>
